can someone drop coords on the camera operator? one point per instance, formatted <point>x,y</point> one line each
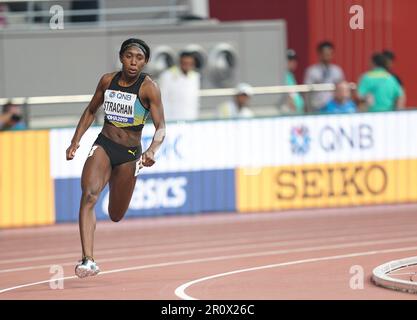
<point>11,117</point>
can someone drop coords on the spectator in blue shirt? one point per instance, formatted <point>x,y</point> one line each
<point>11,118</point>
<point>342,102</point>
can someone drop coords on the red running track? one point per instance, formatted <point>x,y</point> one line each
<point>283,255</point>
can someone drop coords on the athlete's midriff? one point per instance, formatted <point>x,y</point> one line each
<point>121,136</point>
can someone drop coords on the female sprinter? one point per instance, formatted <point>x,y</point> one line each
<point>116,156</point>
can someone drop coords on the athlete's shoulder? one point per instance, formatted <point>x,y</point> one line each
<point>106,79</point>
<point>149,83</point>
<point>150,89</point>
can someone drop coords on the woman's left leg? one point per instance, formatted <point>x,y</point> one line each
<point>121,184</point>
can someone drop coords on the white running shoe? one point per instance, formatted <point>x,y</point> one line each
<point>86,268</point>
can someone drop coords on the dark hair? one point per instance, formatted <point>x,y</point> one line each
<point>7,106</point>
<point>388,54</point>
<point>324,44</point>
<point>136,42</point>
<point>291,54</point>
<point>186,54</point>
<point>379,60</point>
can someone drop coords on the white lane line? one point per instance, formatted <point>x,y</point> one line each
<point>208,219</point>
<point>241,236</point>
<point>190,244</point>
<point>180,291</point>
<point>200,250</point>
<point>217,258</point>
<point>149,247</point>
<point>239,247</point>
<point>36,283</point>
<point>231,235</point>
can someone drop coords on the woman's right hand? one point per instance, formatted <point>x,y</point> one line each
<point>71,150</point>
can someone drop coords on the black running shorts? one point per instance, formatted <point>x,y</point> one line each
<point>118,153</point>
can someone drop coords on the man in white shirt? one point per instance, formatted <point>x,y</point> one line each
<point>323,72</point>
<point>237,107</point>
<point>180,88</point>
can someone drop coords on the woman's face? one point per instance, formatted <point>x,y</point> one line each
<point>133,61</point>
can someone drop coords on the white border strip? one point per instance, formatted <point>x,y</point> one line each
<point>380,275</point>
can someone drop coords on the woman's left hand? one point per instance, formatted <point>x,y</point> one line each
<point>148,158</point>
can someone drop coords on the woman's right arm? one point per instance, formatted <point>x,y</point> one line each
<point>88,115</point>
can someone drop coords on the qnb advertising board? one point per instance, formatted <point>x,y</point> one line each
<point>330,161</point>
<point>258,165</point>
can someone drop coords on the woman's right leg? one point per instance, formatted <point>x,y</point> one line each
<point>96,173</point>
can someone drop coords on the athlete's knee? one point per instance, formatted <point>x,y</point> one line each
<point>116,218</point>
<point>116,215</point>
<point>90,197</point>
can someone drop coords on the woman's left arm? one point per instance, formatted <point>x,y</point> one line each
<point>153,95</point>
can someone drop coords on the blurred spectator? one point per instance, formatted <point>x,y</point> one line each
<point>378,90</point>
<point>389,61</point>
<point>295,101</point>
<point>11,117</point>
<point>342,102</point>
<point>180,88</point>
<point>323,72</point>
<point>237,106</point>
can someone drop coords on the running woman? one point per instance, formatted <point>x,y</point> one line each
<point>127,96</point>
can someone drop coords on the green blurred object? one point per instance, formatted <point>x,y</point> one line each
<point>297,98</point>
<point>383,87</point>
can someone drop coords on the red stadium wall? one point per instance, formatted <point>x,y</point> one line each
<point>293,11</point>
<point>388,24</point>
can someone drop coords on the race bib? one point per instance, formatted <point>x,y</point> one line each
<point>119,106</point>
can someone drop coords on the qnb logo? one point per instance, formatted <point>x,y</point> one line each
<point>120,95</point>
<point>124,96</point>
<point>300,140</point>
<point>170,148</point>
<point>355,137</point>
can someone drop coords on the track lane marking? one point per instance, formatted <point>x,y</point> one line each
<point>217,258</point>
<point>180,291</point>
